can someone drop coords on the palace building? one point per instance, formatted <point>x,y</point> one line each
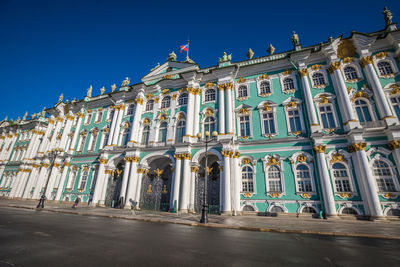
<point>311,130</point>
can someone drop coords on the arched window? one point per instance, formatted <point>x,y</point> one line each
<point>265,87</point>
<point>349,211</point>
<point>166,102</point>
<point>318,79</point>
<point>247,179</point>
<point>130,109</point>
<point>209,95</point>
<point>276,209</point>
<point>248,208</point>
<point>393,212</point>
<point>162,137</point>
<point>396,105</point>
<point>308,210</point>
<point>209,124</point>
<point>149,105</point>
<point>84,179</point>
<point>242,91</point>
<point>303,176</point>
<point>94,140</point>
<point>288,84</point>
<point>341,177</point>
<point>183,99</point>
<point>362,110</point>
<point>384,176</point>
<point>350,73</point>
<point>326,113</point>
<point>146,134</point>
<point>180,131</point>
<point>99,116</point>
<point>82,144</point>
<point>385,68</point>
<point>125,137</point>
<point>274,179</point>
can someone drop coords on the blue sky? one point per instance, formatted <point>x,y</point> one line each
<point>53,47</point>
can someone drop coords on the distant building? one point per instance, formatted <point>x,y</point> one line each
<point>308,130</point>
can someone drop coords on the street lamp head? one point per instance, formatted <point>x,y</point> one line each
<point>214,133</point>
<point>207,133</point>
<point>199,135</point>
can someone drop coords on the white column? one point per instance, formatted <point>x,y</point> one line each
<point>136,120</point>
<point>31,144</point>
<point>237,182</point>
<point>46,136</point>
<point>326,187</point>
<point>22,183</point>
<point>226,203</point>
<point>221,109</point>
<point>125,178</point>
<point>132,184</point>
<point>101,176</point>
<point>30,182</point>
<point>140,172</point>
<point>76,133</point>
<point>67,130</point>
<point>118,125</point>
<point>394,145</point>
<point>350,119</point>
<point>190,113</point>
<point>312,116</point>
<point>40,181</point>
<point>380,98</point>
<point>366,180</point>
<point>52,179</point>
<point>113,123</point>
<point>176,181</point>
<point>184,200</point>
<point>104,184</point>
<point>53,141</point>
<point>61,185</point>
<point>193,171</point>
<point>229,109</point>
<point>196,113</point>
<point>36,145</point>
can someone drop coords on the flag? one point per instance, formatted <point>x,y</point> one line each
<point>184,47</point>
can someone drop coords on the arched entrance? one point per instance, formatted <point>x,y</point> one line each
<point>156,185</point>
<point>213,185</point>
<point>114,186</point>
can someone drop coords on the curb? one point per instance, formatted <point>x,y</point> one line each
<point>215,225</point>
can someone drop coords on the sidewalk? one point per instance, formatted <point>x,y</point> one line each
<point>282,224</point>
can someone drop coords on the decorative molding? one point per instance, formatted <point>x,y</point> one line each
<point>365,61</point>
<point>319,148</point>
<point>357,147</point>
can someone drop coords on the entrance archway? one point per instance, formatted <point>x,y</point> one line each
<point>213,185</point>
<point>114,186</point>
<point>156,185</point>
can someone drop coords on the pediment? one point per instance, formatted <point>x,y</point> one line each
<point>170,68</point>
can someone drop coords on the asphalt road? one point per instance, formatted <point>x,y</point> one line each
<point>33,238</point>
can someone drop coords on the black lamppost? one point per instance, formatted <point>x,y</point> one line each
<point>54,154</point>
<point>207,139</point>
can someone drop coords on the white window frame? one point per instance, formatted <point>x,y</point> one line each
<point>247,85</point>
<point>266,167</point>
<point>369,106</point>
<point>250,122</point>
<point>147,104</point>
<point>392,167</point>
<point>357,69</point>
<point>334,114</point>
<point>287,108</point>
<point>203,100</point>
<point>392,63</point>
<point>131,106</point>
<point>162,101</point>
<point>291,76</point>
<point>93,140</point>
<point>261,111</point>
<point>179,99</point>
<point>89,117</point>
<point>158,132</point>
<point>324,74</point>
<point>81,178</point>
<point>349,167</point>
<point>103,142</point>
<point>71,180</point>
<point>309,164</point>
<point>110,114</point>
<point>248,180</point>
<point>259,82</point>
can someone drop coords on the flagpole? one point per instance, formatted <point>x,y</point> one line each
<point>187,52</point>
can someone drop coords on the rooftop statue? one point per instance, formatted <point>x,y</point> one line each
<point>171,56</point>
<point>188,60</point>
<point>102,90</point>
<point>295,39</point>
<point>126,82</point>
<point>25,115</point>
<point>225,58</point>
<point>43,111</point>
<point>113,87</point>
<point>60,98</point>
<point>250,54</point>
<point>6,118</point>
<point>158,65</point>
<point>271,49</point>
<point>89,91</point>
<point>33,115</point>
<point>388,16</point>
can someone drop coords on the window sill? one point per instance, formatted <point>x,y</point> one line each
<point>265,95</point>
<point>275,194</point>
<point>291,91</point>
<point>387,76</point>
<point>345,194</point>
<point>320,86</point>
<point>389,195</point>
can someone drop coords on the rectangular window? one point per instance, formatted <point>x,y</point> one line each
<point>269,123</point>
<point>396,105</point>
<point>244,125</point>
<point>294,120</point>
<point>342,185</point>
<point>328,121</point>
<point>275,185</point>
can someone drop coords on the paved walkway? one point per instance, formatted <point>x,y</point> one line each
<point>387,229</point>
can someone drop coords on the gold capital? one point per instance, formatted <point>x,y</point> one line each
<point>334,66</point>
<point>319,149</point>
<point>365,61</point>
<point>357,147</point>
<point>103,161</point>
<point>395,144</point>
<point>139,100</point>
<point>303,72</point>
